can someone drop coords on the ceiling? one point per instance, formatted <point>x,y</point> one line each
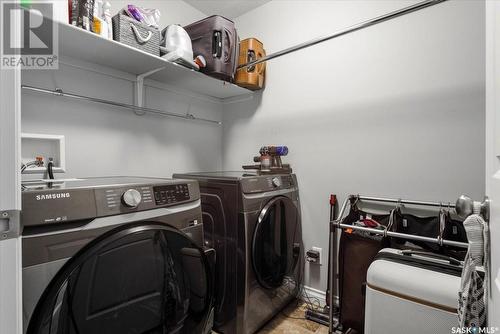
<point>227,8</point>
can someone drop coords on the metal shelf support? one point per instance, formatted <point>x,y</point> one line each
<point>139,87</point>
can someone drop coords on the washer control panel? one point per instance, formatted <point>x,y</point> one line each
<point>171,194</point>
<point>117,200</point>
<point>121,200</point>
<point>276,182</point>
<point>131,198</point>
<point>279,182</point>
<point>100,197</point>
<point>267,183</point>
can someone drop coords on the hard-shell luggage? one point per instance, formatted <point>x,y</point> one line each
<point>411,292</point>
<point>252,77</point>
<point>216,39</point>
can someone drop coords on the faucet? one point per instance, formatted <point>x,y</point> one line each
<point>38,162</point>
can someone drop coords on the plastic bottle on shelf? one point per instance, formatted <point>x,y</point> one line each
<point>106,10</point>
<point>97,22</point>
<point>102,18</point>
<point>85,14</point>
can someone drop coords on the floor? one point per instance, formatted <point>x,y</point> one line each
<point>291,321</point>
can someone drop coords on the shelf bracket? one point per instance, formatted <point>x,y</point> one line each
<point>139,88</point>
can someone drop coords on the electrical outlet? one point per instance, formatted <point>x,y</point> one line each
<point>320,259</point>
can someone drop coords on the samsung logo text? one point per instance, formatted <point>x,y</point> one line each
<point>52,196</point>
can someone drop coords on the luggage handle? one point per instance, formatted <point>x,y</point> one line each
<point>230,54</point>
<point>262,66</point>
<point>410,252</point>
<point>137,33</point>
<point>217,44</point>
<point>250,58</point>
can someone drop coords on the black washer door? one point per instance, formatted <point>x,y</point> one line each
<point>276,245</point>
<point>137,278</point>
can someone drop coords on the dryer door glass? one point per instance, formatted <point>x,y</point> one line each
<point>146,278</point>
<point>276,243</point>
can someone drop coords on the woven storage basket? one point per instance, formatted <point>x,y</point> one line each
<point>136,34</point>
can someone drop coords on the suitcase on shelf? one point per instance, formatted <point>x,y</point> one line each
<point>412,292</point>
<point>252,77</point>
<point>216,39</point>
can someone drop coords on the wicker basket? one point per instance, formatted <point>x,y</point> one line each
<point>136,34</point>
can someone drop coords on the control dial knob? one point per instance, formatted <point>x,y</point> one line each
<point>276,182</point>
<point>131,198</point>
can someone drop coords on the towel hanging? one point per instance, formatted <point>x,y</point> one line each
<point>473,294</point>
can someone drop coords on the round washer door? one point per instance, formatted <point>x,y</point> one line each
<point>137,278</point>
<point>276,244</point>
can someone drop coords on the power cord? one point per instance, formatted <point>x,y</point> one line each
<point>310,302</point>
<point>50,167</point>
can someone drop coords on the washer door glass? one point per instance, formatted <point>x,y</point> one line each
<point>276,242</point>
<point>139,278</point>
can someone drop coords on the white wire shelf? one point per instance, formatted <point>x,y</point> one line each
<point>79,44</point>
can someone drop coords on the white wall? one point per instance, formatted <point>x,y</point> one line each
<point>493,153</point>
<point>172,11</point>
<point>394,110</point>
<point>102,140</point>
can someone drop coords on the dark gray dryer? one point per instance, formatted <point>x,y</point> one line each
<point>115,255</point>
<point>253,222</point>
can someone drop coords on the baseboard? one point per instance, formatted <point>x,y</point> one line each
<point>316,294</point>
<point>313,293</point>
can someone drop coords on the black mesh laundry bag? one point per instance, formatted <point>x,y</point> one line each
<point>454,231</point>
<point>357,251</point>
<point>420,226</point>
<point>430,227</point>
